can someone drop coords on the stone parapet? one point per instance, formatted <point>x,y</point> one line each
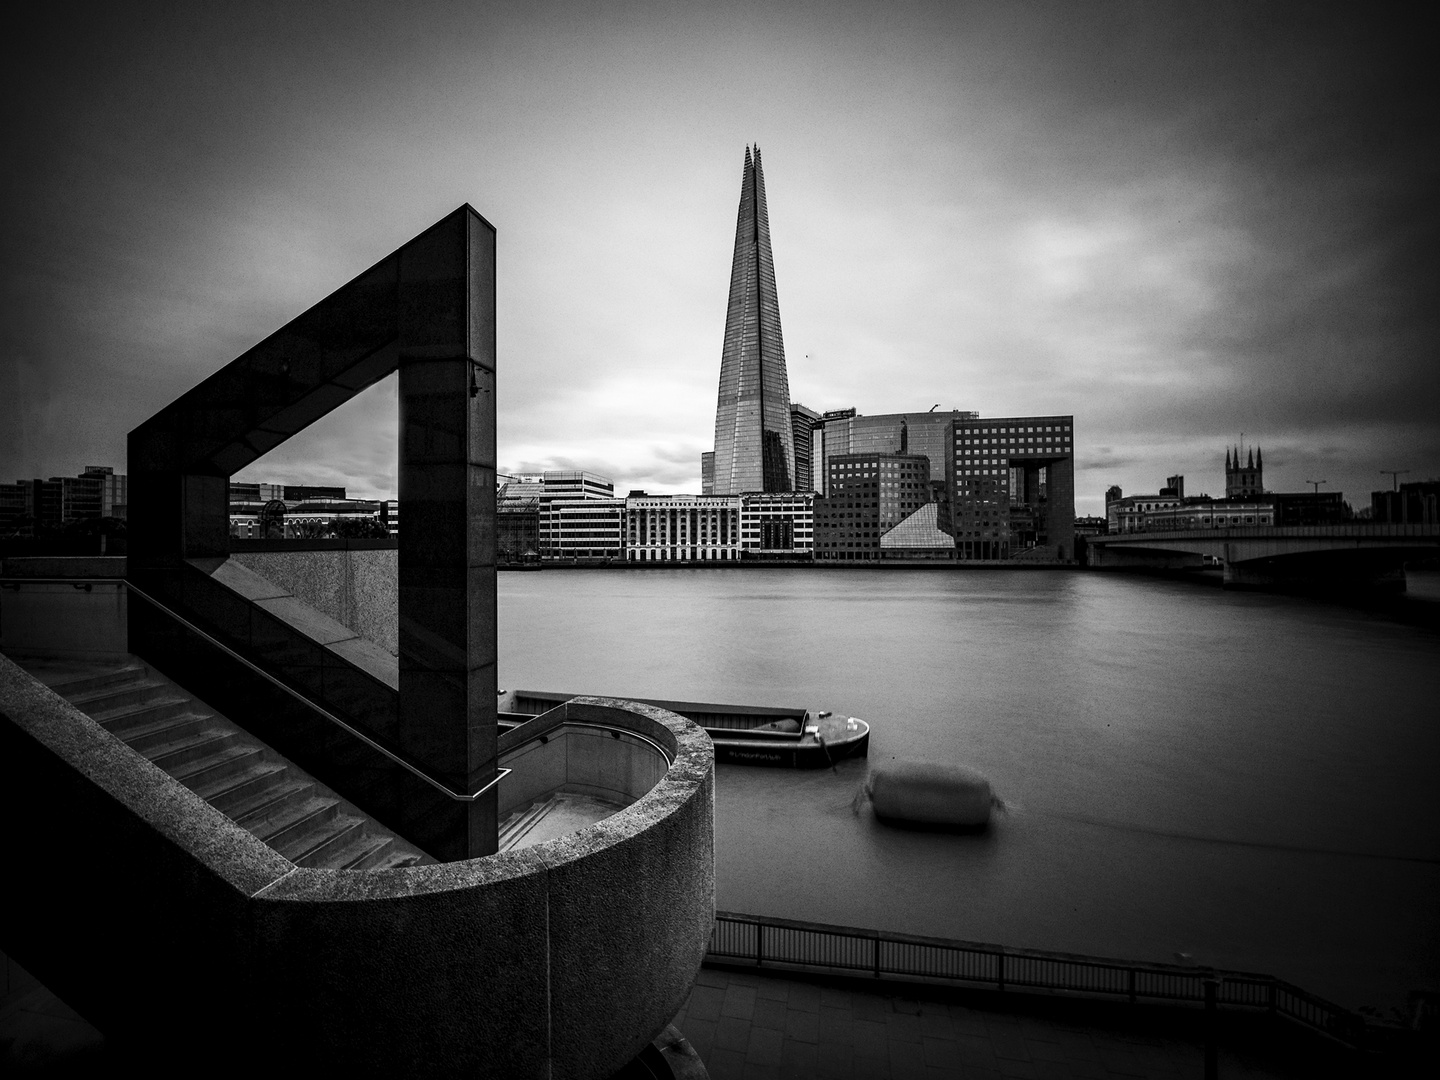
<point>560,960</point>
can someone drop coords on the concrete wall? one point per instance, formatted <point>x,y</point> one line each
<point>360,589</point>
<point>577,757</point>
<point>560,960</point>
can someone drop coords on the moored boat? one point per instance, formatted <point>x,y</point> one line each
<point>742,734</point>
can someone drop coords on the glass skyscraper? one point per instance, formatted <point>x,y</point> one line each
<point>754,444</point>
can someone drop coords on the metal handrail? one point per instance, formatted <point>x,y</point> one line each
<point>439,785</point>
<point>619,731</point>
<point>848,950</point>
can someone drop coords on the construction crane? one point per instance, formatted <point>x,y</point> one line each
<point>1317,484</point>
<point>1395,475</point>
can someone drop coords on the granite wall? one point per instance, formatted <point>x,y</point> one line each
<point>560,960</point>
<point>360,589</point>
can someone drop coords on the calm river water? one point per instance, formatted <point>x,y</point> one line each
<point>1246,778</point>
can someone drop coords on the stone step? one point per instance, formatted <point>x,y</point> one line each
<point>121,721</point>
<point>71,686</point>
<point>266,806</point>
<point>232,760</point>
<point>363,853</point>
<point>163,730</point>
<point>227,792</point>
<point>231,770</point>
<point>107,698</point>
<point>306,817</point>
<point>200,745</point>
<point>517,825</point>
<point>317,845</point>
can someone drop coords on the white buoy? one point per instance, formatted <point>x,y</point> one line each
<point>929,793</point>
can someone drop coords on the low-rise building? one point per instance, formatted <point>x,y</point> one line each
<point>682,528</point>
<point>584,529</point>
<point>869,494</point>
<point>777,525</point>
<point>1416,503</point>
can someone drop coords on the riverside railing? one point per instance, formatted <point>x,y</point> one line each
<point>843,950</point>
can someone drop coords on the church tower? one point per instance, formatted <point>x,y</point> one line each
<point>1243,481</point>
<point>754,443</point>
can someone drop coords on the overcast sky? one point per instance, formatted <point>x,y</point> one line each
<point>1180,223</point>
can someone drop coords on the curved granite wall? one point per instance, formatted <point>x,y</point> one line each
<point>560,960</point>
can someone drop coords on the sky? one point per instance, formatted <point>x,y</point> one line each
<point>1187,225</point>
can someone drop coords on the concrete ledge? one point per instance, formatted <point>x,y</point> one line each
<point>562,960</point>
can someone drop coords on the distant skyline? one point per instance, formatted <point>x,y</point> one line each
<point>1179,223</point>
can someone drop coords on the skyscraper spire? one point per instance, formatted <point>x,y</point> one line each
<point>754,447</point>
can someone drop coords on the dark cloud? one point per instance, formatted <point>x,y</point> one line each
<point>1177,222</point>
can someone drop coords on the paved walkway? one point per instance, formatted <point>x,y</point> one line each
<point>748,1026</point>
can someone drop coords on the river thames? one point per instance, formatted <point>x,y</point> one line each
<point>1245,778</point>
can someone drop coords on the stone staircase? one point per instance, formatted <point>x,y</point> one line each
<point>544,819</point>
<point>231,770</point>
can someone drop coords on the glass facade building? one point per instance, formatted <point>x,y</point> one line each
<point>869,494</point>
<point>754,442</point>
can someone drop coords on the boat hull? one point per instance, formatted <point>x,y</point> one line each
<point>737,731</point>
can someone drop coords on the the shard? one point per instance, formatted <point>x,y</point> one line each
<point>754,448</point>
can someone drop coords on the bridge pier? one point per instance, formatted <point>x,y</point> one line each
<point>1299,574</point>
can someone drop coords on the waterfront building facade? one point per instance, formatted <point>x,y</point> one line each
<point>1204,513</point>
<point>311,518</point>
<point>1415,503</point>
<point>682,528</point>
<point>1130,513</point>
<point>754,442</point>
<point>517,532</point>
<point>1012,487</point>
<point>50,505</point>
<point>778,525</point>
<point>869,494</point>
<point>581,529</point>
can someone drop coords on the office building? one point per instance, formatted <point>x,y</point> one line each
<point>266,511</point>
<point>682,528</point>
<point>51,505</point>
<point>777,525</point>
<point>754,442</point>
<point>1012,487</point>
<point>869,494</point>
<point>1415,503</point>
<point>848,432</point>
<point>803,422</point>
<point>555,484</point>
<point>581,529</point>
<point>707,473</point>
